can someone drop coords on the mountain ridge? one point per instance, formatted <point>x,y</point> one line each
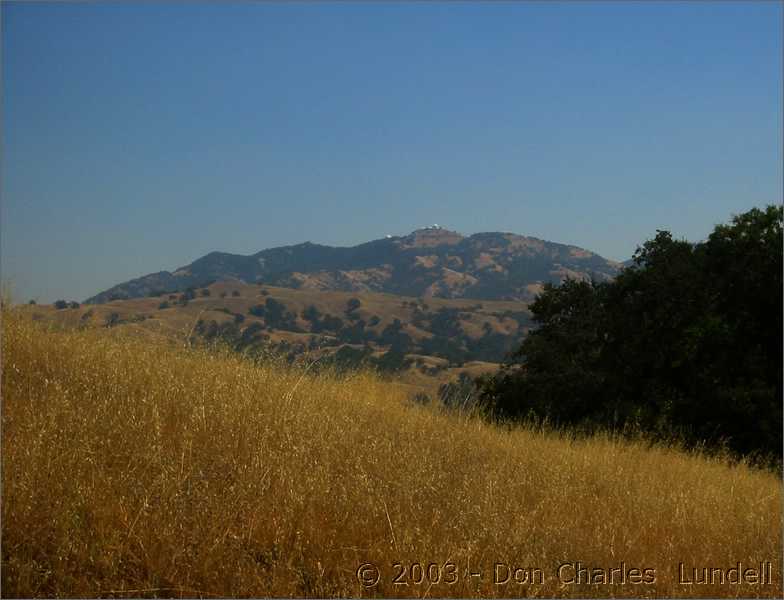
<point>428,262</point>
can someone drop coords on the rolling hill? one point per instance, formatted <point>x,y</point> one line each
<point>423,342</point>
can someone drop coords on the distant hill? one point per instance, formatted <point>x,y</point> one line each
<point>430,263</point>
<point>424,342</point>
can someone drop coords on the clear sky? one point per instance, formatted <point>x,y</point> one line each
<point>137,137</point>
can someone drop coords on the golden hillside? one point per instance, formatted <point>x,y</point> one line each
<point>134,468</point>
<point>435,356</point>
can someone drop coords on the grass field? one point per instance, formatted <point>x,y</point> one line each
<point>135,468</point>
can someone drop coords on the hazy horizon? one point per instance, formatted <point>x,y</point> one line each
<point>139,137</point>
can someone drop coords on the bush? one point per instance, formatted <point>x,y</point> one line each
<point>311,313</point>
<point>331,323</point>
<point>60,304</point>
<point>73,305</point>
<point>275,315</point>
<point>352,305</point>
<point>687,342</point>
<point>163,305</point>
<point>392,361</point>
<point>354,334</point>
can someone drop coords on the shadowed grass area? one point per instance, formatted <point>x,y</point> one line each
<point>132,468</point>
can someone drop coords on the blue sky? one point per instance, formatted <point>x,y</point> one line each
<point>138,137</point>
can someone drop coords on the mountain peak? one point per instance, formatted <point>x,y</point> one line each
<point>431,236</point>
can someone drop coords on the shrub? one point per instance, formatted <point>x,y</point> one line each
<point>686,341</point>
<point>392,361</point>
<point>311,313</point>
<point>352,305</point>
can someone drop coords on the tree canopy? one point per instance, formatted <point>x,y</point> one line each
<point>687,341</point>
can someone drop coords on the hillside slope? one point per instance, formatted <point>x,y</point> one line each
<point>429,262</point>
<point>136,469</point>
<point>424,342</point>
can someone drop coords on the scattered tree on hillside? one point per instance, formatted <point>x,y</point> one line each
<point>351,307</point>
<point>311,313</point>
<point>392,361</point>
<point>275,315</point>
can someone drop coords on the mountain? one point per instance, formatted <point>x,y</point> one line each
<point>432,263</point>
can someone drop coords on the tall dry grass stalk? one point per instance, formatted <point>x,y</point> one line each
<point>137,469</point>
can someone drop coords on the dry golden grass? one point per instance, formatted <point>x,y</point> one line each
<point>132,468</point>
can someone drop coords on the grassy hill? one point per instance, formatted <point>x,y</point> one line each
<point>135,468</point>
<point>432,340</point>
